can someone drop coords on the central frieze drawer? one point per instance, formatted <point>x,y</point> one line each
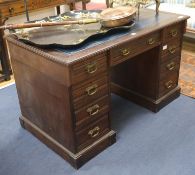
<point>127,50</point>
<point>90,90</point>
<point>89,68</point>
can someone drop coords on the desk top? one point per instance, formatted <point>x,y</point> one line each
<point>147,23</point>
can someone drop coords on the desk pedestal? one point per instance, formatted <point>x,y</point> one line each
<point>141,82</point>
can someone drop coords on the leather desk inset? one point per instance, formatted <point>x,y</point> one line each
<point>65,98</point>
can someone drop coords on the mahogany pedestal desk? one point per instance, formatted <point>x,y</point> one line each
<point>9,8</point>
<point>65,97</point>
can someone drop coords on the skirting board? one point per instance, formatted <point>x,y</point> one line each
<point>78,159</point>
<point>153,105</point>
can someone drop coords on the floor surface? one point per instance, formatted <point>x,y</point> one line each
<point>148,143</point>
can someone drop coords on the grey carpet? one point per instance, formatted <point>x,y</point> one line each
<point>147,143</point>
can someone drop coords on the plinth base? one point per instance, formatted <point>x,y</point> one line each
<point>78,159</point>
<point>151,104</point>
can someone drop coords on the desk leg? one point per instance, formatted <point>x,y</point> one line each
<point>6,70</point>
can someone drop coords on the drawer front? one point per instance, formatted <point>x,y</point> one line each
<point>169,67</point>
<point>12,9</point>
<point>173,32</point>
<point>167,55</point>
<point>89,91</point>
<point>169,83</point>
<point>34,4</point>
<point>89,68</point>
<point>171,50</point>
<point>132,48</point>
<point>92,111</point>
<point>171,47</point>
<point>93,132</point>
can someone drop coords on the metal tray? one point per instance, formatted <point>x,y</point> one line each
<point>68,36</point>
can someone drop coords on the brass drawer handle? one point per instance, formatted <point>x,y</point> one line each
<point>173,32</point>
<point>171,66</point>
<point>151,41</point>
<point>93,110</point>
<point>169,84</point>
<point>91,68</point>
<point>172,49</point>
<point>94,132</point>
<point>91,90</point>
<point>11,10</point>
<point>125,52</point>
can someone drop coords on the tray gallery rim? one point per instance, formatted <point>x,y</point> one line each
<point>104,32</point>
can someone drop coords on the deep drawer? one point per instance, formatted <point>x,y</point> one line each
<point>93,132</point>
<point>171,48</point>
<point>172,32</point>
<point>169,67</point>
<point>89,68</point>
<point>90,90</point>
<point>132,48</point>
<point>92,111</point>
<point>168,83</point>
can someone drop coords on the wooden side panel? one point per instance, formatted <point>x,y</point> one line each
<point>43,94</point>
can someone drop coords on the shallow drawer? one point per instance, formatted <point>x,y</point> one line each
<point>132,48</point>
<point>170,50</point>
<point>172,32</point>
<point>12,9</point>
<point>34,4</point>
<point>168,83</point>
<point>93,132</point>
<point>92,111</point>
<point>17,8</point>
<point>89,68</point>
<point>169,67</point>
<point>90,90</point>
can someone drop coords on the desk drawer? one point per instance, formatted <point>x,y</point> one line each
<point>89,68</point>
<point>12,9</point>
<point>170,50</point>
<point>93,132</point>
<point>168,83</point>
<point>169,67</point>
<point>132,48</point>
<point>34,4</point>
<point>90,90</point>
<point>92,111</point>
<point>173,32</point>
